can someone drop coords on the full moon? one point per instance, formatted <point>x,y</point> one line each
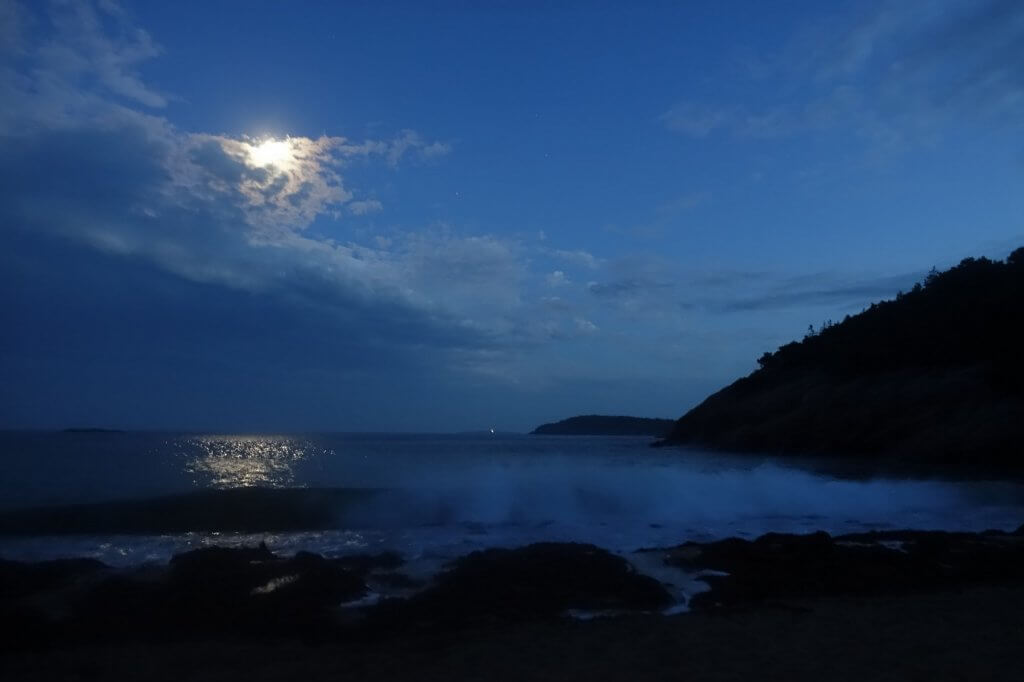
<point>270,152</point>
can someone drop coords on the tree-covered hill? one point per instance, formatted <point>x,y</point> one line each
<point>936,372</point>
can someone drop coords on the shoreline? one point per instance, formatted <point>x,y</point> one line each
<point>252,592</point>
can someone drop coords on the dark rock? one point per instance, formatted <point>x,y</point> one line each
<point>363,564</point>
<point>534,582</point>
<point>19,579</point>
<point>255,578</point>
<point>310,581</point>
<point>125,604</point>
<point>398,581</point>
<point>221,590</point>
<point>33,597</point>
<point>800,566</point>
<point>221,576</point>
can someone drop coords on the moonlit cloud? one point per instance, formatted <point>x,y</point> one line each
<point>406,248</point>
<point>205,206</point>
<point>83,164</point>
<point>280,185</point>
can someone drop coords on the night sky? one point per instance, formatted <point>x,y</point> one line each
<point>387,217</point>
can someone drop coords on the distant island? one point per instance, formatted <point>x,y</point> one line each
<point>90,429</point>
<point>935,375</point>
<point>603,425</point>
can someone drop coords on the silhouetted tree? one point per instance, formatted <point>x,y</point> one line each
<point>1016,258</point>
<point>971,314</point>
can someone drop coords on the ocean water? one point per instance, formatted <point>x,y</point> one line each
<point>435,497</point>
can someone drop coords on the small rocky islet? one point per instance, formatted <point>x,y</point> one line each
<point>606,425</point>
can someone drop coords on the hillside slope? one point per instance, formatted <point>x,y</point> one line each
<point>936,373</point>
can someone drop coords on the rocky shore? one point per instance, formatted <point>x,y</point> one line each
<point>965,635</point>
<point>253,593</point>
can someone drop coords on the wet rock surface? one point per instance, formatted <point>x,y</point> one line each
<point>535,582</point>
<point>213,590</point>
<point>779,566</point>
<point>18,578</point>
<point>255,589</point>
<point>252,592</point>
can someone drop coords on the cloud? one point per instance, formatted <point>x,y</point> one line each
<point>556,303</point>
<point>236,220</point>
<point>557,279</point>
<point>654,288</point>
<point>409,141</point>
<point>894,76</point>
<point>237,257</point>
<point>477,275</point>
<point>664,217</point>
<point>81,48</point>
<point>818,290</point>
<point>969,61</point>
<point>585,326</point>
<point>12,27</point>
<point>365,206</point>
<point>578,257</point>
<point>771,122</point>
<point>86,161</point>
<point>696,119</point>
<point>625,288</point>
<point>279,185</point>
<point>74,64</point>
<point>683,203</point>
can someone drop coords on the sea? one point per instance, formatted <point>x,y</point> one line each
<point>434,497</point>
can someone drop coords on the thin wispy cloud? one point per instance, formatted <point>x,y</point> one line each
<point>892,77</point>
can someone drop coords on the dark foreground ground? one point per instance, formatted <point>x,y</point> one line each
<point>974,634</point>
<point>900,605</point>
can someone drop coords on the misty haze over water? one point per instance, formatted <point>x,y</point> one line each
<point>440,496</point>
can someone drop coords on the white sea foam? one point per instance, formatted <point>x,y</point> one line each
<point>441,497</point>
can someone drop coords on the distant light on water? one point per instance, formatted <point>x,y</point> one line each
<point>246,461</point>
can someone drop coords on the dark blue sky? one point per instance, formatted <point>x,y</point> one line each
<point>381,216</point>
